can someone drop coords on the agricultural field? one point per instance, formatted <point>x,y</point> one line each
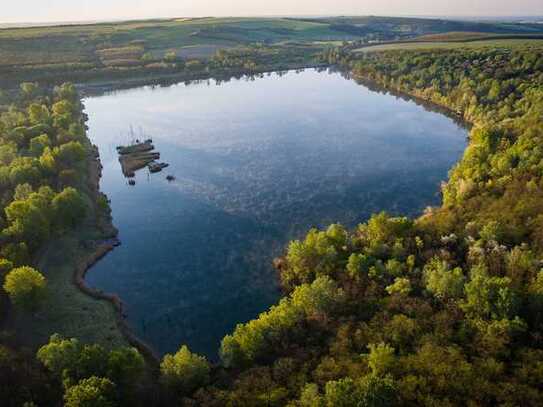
<point>127,48</point>
<point>471,44</point>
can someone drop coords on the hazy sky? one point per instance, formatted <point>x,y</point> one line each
<point>75,10</point>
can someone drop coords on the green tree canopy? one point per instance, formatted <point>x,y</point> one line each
<point>184,371</point>
<point>26,287</point>
<point>442,281</point>
<point>69,207</point>
<point>91,392</point>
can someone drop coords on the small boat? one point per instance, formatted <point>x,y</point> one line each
<point>170,178</point>
<point>156,167</point>
<point>135,148</point>
<point>132,182</point>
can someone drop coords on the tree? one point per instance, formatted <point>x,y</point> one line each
<point>5,267</point>
<point>22,192</point>
<point>66,91</point>
<point>147,57</point>
<point>317,298</point>
<point>125,366</point>
<point>16,253</point>
<point>29,90</point>
<point>29,219</point>
<point>381,358</point>
<point>310,396</point>
<point>70,154</point>
<point>443,282</point>
<point>489,297</point>
<point>63,107</point>
<point>170,56</point>
<point>318,254</point>
<point>25,287</point>
<point>401,286</point>
<point>377,391</point>
<point>24,170</point>
<point>257,338</point>
<point>184,371</point>
<point>358,265</point>
<point>38,144</point>
<point>38,114</point>
<point>72,361</point>
<point>47,161</point>
<point>69,207</point>
<point>341,393</point>
<point>8,152</point>
<point>91,392</point>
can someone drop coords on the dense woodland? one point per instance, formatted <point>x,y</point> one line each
<point>442,310</point>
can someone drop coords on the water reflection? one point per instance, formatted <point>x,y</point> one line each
<point>256,162</point>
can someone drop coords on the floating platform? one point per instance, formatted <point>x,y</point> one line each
<point>137,156</point>
<point>130,163</point>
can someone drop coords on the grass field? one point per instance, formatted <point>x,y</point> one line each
<point>81,44</point>
<point>67,310</point>
<point>76,44</point>
<point>483,43</point>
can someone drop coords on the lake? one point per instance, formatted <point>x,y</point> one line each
<point>257,162</point>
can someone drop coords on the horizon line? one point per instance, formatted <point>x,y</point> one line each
<point>41,23</point>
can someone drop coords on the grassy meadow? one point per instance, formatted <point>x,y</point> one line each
<point>457,44</point>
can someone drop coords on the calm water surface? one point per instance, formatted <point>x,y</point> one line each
<point>257,162</point>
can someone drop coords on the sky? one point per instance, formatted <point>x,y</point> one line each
<point>14,11</point>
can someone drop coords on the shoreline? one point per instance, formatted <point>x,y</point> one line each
<point>96,87</point>
<point>110,240</point>
<point>100,250</point>
<point>89,80</point>
<point>418,99</point>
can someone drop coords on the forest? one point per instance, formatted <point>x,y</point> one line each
<point>441,310</point>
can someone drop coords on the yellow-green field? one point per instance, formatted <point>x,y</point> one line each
<point>417,45</point>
